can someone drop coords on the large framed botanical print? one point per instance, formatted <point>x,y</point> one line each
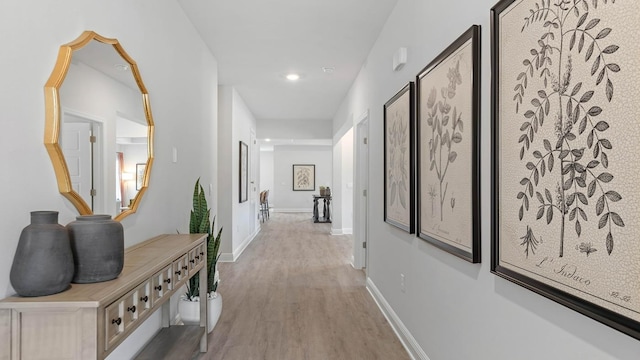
<point>565,172</point>
<point>399,120</point>
<point>448,92</point>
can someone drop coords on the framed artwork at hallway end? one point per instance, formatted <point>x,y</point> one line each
<point>448,95</point>
<point>244,172</point>
<point>399,185</point>
<point>565,187</point>
<point>304,177</point>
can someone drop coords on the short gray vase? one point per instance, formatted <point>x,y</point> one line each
<point>43,263</point>
<point>97,243</point>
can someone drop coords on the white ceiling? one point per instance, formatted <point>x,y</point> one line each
<point>257,42</point>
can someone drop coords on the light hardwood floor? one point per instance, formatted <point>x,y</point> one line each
<point>293,295</point>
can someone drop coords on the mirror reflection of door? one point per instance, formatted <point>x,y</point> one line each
<point>81,142</point>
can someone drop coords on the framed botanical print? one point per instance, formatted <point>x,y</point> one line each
<point>304,177</point>
<point>565,187</point>
<point>448,92</point>
<point>244,172</point>
<point>399,124</point>
<point>141,168</point>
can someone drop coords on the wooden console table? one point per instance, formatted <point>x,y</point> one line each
<point>88,321</point>
<point>326,211</point>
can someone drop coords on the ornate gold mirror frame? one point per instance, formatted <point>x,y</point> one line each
<point>53,121</point>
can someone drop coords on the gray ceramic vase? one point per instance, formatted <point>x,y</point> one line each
<point>43,263</point>
<point>97,243</point>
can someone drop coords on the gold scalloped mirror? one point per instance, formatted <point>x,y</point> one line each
<point>98,127</point>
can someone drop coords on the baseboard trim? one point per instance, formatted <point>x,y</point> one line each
<point>232,257</point>
<point>407,340</point>
<point>344,231</point>
<point>291,210</point>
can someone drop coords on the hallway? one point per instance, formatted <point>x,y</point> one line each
<point>294,295</point>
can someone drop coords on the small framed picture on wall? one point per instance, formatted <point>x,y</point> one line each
<point>304,177</point>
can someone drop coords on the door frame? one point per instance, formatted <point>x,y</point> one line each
<point>361,213</point>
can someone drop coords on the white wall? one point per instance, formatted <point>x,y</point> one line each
<point>284,157</point>
<point>238,219</point>
<point>342,190</point>
<point>454,309</point>
<point>346,184</point>
<point>294,129</point>
<point>181,76</point>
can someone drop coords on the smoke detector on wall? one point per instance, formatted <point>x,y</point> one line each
<point>399,58</point>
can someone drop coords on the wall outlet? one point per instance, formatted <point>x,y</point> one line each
<point>402,288</point>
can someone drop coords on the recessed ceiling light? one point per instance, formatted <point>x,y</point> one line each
<point>328,69</point>
<point>293,77</point>
<point>267,140</point>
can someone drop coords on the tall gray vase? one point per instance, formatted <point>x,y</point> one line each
<point>43,263</point>
<point>97,243</point>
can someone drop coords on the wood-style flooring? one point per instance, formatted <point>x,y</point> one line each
<point>293,295</point>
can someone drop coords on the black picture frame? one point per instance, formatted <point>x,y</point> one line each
<point>545,263</point>
<point>399,172</point>
<point>461,236</point>
<point>243,172</point>
<point>304,177</point>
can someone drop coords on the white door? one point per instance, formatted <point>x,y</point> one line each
<point>361,202</point>
<point>75,142</point>
<point>81,143</point>
<point>253,182</point>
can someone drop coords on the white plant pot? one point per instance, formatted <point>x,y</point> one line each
<point>190,310</point>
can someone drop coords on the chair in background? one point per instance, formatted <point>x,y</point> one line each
<point>264,205</point>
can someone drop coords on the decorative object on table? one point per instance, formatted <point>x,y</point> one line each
<point>244,172</point>
<point>200,223</point>
<point>449,148</point>
<point>327,191</point>
<point>565,189</point>
<point>97,242</point>
<point>43,263</point>
<point>304,177</point>
<point>323,189</point>
<point>399,184</point>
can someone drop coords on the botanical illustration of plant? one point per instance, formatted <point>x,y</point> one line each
<point>439,115</point>
<point>432,196</point>
<point>570,36</point>
<point>304,177</point>
<point>398,146</point>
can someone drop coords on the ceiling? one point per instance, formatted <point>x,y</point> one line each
<point>257,42</point>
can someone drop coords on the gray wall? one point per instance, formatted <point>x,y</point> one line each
<point>454,309</point>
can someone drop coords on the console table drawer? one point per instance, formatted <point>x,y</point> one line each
<point>143,298</point>
<point>196,256</point>
<point>114,322</point>
<point>180,270</point>
<point>161,283</point>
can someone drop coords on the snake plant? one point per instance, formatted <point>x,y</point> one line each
<point>199,223</point>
